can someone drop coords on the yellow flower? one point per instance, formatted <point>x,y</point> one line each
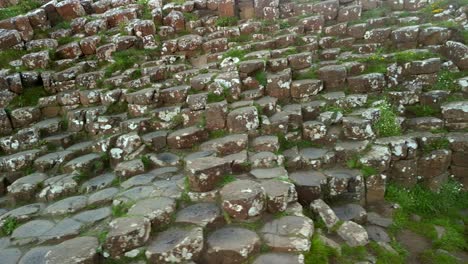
<point>437,11</point>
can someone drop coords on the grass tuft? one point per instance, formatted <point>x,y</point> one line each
<point>387,125</point>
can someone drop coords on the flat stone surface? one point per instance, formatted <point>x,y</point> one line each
<point>202,214</point>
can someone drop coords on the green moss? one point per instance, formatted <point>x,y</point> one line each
<point>214,97</point>
<point>29,97</point>
<point>22,7</point>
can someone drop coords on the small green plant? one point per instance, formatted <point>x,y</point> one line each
<point>214,97</point>
<point>226,179</point>
<point>218,133</point>
<point>126,59</point>
<point>136,74</point>
<point>82,176</point>
<point>117,108</point>
<point>63,25</point>
<point>102,237</point>
<point>190,17</point>
<point>386,257</point>
<point>366,170</point>
<point>387,125</point>
<point>284,24</point>
<point>146,162</point>
<point>177,120</point>
<point>261,78</point>
<point>9,225</point>
<point>227,21</point>
<point>121,209</point>
<point>286,144</point>
<point>146,10</point>
<point>436,144</point>
<point>235,53</point>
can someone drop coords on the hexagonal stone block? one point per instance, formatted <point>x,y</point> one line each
<point>243,199</point>
<point>125,234</point>
<point>175,245</point>
<point>222,248</point>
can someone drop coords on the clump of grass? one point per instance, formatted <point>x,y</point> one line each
<point>136,74</point>
<point>447,80</point>
<point>286,144</point>
<point>177,120</point>
<point>226,179</point>
<point>319,252</point>
<point>386,257</point>
<point>436,208</point>
<point>63,25</point>
<point>433,257</point>
<point>284,24</point>
<point>235,53</point>
<point>117,108</point>
<point>120,210</point>
<point>227,21</point>
<point>352,254</point>
<point>422,110</point>
<point>190,17</point>
<point>436,144</point>
<point>9,225</point>
<point>146,12</point>
<point>366,170</point>
<point>387,125</point>
<point>20,8</point>
<point>29,97</point>
<point>6,56</point>
<point>218,134</point>
<point>261,78</point>
<point>146,162</point>
<point>241,38</point>
<point>407,56</point>
<point>66,40</point>
<point>127,58</point>
<point>309,74</point>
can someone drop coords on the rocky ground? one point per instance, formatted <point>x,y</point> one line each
<point>174,132</point>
